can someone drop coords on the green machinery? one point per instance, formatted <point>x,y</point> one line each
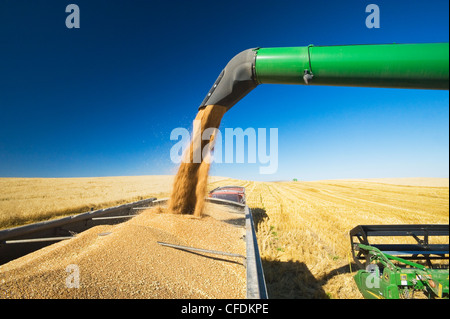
<point>388,269</point>
<point>401,66</point>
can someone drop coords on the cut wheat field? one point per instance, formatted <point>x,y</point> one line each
<point>30,200</point>
<point>302,227</point>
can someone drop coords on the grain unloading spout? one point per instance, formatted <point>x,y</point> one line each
<point>235,81</point>
<point>407,66</point>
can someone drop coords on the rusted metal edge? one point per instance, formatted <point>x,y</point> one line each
<point>209,251</point>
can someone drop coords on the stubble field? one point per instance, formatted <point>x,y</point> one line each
<point>302,227</point>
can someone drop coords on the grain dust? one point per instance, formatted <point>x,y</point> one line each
<point>128,262</point>
<point>189,188</point>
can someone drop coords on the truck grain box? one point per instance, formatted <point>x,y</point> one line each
<point>155,254</point>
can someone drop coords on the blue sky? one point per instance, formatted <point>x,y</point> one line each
<point>102,100</point>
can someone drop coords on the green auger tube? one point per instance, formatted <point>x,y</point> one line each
<point>406,66</point>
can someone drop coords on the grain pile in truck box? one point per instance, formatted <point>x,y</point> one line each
<point>126,261</point>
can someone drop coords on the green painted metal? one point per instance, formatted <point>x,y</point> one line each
<point>414,66</point>
<point>387,258</point>
<point>396,281</point>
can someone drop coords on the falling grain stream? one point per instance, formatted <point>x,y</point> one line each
<point>190,182</point>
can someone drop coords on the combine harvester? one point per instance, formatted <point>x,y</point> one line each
<point>404,66</point>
